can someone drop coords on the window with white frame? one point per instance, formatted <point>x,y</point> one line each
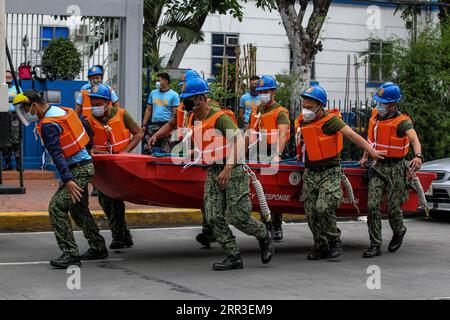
<point>223,44</point>
<point>380,61</point>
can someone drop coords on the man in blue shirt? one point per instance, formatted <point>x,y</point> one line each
<point>76,169</point>
<point>14,145</point>
<point>249,101</point>
<point>162,105</point>
<point>95,76</point>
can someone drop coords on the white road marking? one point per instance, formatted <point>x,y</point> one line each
<point>25,263</point>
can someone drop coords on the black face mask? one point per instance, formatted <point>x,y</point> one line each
<point>9,84</point>
<point>188,105</point>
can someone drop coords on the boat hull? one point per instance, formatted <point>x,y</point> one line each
<point>158,181</point>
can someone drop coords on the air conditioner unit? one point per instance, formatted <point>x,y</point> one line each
<point>232,41</point>
<point>82,31</point>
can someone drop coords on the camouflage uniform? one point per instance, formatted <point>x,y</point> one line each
<point>232,204</point>
<point>322,195</point>
<point>392,178</point>
<point>115,211</point>
<point>162,144</point>
<point>61,205</point>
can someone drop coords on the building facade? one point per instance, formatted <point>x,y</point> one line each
<point>351,27</point>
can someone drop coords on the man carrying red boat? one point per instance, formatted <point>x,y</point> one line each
<point>177,126</point>
<point>269,134</point>
<point>114,131</point>
<point>227,193</point>
<point>319,145</point>
<point>392,131</point>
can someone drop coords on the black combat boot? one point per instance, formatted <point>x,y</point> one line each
<point>205,239</point>
<point>92,254</point>
<point>230,263</point>
<point>372,252</point>
<point>65,260</point>
<point>396,241</point>
<point>316,254</point>
<point>122,243</point>
<point>335,249</point>
<point>278,235</point>
<point>267,248</point>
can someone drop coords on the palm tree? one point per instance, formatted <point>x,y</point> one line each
<point>158,24</point>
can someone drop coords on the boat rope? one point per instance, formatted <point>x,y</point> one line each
<point>265,210</point>
<point>419,189</point>
<point>351,195</point>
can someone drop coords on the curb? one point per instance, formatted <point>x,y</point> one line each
<point>149,218</point>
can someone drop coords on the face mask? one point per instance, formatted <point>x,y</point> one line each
<point>381,108</point>
<point>95,82</point>
<point>98,111</point>
<point>26,117</point>
<point>265,97</point>
<point>253,91</point>
<point>309,115</point>
<point>190,105</point>
<point>158,85</point>
<point>9,83</point>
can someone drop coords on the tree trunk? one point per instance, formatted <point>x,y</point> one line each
<point>177,54</point>
<point>182,46</point>
<point>300,76</point>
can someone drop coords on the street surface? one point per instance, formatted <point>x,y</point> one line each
<point>169,264</point>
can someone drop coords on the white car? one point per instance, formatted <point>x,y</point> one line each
<point>438,196</point>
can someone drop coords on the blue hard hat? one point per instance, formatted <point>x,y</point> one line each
<point>100,91</point>
<point>188,75</point>
<point>266,83</point>
<point>95,70</point>
<point>388,92</point>
<point>194,87</point>
<point>316,93</point>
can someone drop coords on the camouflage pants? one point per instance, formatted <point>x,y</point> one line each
<point>115,211</point>
<point>392,179</point>
<point>61,205</point>
<point>231,204</point>
<point>322,195</point>
<point>163,144</point>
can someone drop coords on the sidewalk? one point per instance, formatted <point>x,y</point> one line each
<point>28,212</point>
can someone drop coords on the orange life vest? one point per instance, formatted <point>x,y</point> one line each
<point>213,144</point>
<point>266,125</point>
<point>86,106</point>
<point>382,135</point>
<point>73,137</point>
<point>311,137</point>
<point>112,137</point>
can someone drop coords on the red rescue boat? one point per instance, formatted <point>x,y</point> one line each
<point>159,181</point>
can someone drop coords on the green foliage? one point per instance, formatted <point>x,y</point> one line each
<point>61,60</point>
<point>199,7</point>
<point>422,70</point>
<point>423,73</point>
<point>174,24</point>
